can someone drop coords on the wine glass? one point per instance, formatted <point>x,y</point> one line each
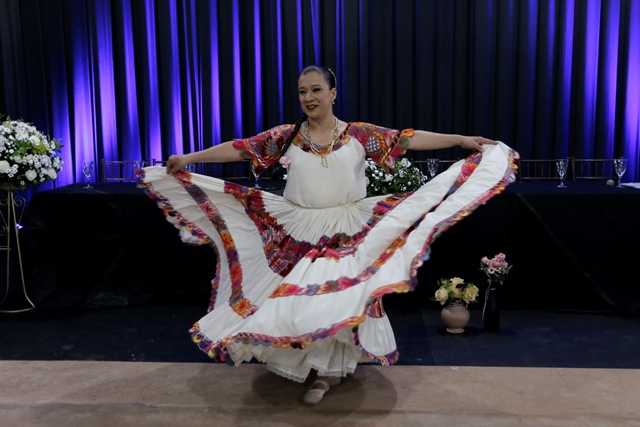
<point>87,170</point>
<point>138,164</point>
<point>432,167</point>
<point>255,175</point>
<point>621,168</point>
<point>561,167</point>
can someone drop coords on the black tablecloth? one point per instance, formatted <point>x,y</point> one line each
<point>108,246</point>
<point>572,248</point>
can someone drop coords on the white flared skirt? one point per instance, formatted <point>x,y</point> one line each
<point>299,288</point>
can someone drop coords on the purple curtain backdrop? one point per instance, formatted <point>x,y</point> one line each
<point>133,79</point>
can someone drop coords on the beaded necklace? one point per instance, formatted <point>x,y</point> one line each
<point>323,156</point>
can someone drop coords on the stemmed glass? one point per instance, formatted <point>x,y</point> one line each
<point>621,168</point>
<point>561,167</point>
<point>256,176</point>
<point>432,167</point>
<point>138,164</point>
<point>87,170</point>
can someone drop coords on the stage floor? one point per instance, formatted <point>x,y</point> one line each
<point>117,394</point>
<point>136,366</point>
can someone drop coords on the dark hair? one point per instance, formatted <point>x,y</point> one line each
<point>328,77</point>
<point>326,73</point>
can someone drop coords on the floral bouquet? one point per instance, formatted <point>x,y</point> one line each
<point>495,268</point>
<point>455,290</point>
<point>26,155</point>
<point>404,177</point>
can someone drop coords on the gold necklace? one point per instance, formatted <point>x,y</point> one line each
<point>314,150</point>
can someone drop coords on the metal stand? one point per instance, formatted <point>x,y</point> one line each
<point>10,232</point>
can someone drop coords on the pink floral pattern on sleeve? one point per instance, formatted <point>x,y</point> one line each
<point>383,145</point>
<point>263,149</point>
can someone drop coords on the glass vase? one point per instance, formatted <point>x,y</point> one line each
<point>491,310</point>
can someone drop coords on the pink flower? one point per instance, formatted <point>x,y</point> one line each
<point>495,268</point>
<point>285,161</point>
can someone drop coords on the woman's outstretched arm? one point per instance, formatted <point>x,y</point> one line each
<point>424,140</point>
<point>224,152</point>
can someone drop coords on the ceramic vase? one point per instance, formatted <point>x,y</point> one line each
<point>455,316</point>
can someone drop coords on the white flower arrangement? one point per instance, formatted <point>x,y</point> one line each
<point>404,177</point>
<point>27,156</point>
<point>455,290</point>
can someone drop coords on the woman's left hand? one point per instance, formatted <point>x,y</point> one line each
<point>475,143</point>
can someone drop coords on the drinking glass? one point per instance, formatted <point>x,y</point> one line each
<point>87,170</point>
<point>561,167</point>
<point>621,168</point>
<point>256,176</point>
<point>432,167</point>
<point>138,164</point>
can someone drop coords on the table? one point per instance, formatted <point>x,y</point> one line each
<point>108,246</point>
<point>573,248</point>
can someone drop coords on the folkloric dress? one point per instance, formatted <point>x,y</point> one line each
<point>300,277</point>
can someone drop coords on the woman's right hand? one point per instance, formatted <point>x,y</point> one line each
<point>175,163</point>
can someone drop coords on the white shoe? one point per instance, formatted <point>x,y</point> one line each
<point>317,390</point>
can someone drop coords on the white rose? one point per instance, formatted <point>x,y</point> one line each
<point>35,140</point>
<point>4,166</point>
<point>52,173</point>
<point>31,174</point>
<point>456,292</point>
<point>470,294</point>
<point>457,281</point>
<point>442,296</point>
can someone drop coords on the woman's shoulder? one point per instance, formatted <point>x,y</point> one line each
<point>275,134</point>
<point>362,131</point>
<point>378,141</point>
<point>283,130</point>
<point>361,125</point>
<point>364,127</point>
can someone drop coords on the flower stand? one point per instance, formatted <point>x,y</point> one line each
<point>9,230</point>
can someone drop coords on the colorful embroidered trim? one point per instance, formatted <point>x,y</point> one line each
<point>218,350</point>
<point>237,301</point>
<point>283,252</point>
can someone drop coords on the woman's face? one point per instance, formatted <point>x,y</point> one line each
<point>315,96</point>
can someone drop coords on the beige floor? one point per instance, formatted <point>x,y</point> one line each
<point>96,394</point>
